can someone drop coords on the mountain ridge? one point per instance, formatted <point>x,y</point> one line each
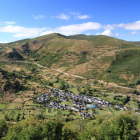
<point>88,56</point>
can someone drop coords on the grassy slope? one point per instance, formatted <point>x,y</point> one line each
<point>89,56</point>
<point>125,67</point>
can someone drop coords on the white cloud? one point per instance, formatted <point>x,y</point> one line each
<point>134,33</point>
<point>127,26</point>
<point>110,27</point>
<point>82,16</point>
<point>131,26</point>
<point>39,16</point>
<point>81,27</point>
<point>106,32</point>
<point>79,16</point>
<point>75,28</point>
<point>19,31</point>
<point>3,42</point>
<point>74,13</point>
<point>88,34</point>
<point>11,29</point>
<point>22,31</point>
<point>9,22</point>
<point>63,16</point>
<point>30,32</point>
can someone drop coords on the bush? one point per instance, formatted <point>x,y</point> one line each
<point>122,127</point>
<point>3,128</point>
<point>137,82</point>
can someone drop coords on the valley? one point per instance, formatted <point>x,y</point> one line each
<point>79,80</point>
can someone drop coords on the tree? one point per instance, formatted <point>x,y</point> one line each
<point>2,94</point>
<point>18,117</point>
<point>6,117</point>
<point>122,127</point>
<point>137,82</point>
<point>80,124</point>
<point>69,134</point>
<point>53,130</point>
<point>126,125</point>
<point>3,128</point>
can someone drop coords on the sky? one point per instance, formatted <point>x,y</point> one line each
<point>21,19</point>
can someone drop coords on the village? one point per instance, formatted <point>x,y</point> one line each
<point>80,103</point>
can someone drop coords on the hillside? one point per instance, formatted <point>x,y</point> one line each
<point>136,42</point>
<point>95,57</point>
<point>9,85</point>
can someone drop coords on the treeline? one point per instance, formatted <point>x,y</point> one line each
<point>122,127</point>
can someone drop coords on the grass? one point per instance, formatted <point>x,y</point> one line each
<point>28,106</point>
<point>111,110</point>
<point>67,103</point>
<point>83,58</point>
<point>12,106</point>
<point>108,98</point>
<point>2,114</point>
<point>37,111</point>
<point>2,106</point>
<point>132,104</point>
<point>74,90</point>
<point>52,113</point>
<point>126,62</point>
<point>105,111</point>
<point>15,114</point>
<point>30,103</point>
<point>57,85</point>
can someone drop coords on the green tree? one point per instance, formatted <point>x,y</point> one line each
<point>3,128</point>
<point>53,130</point>
<point>69,134</point>
<point>29,129</point>
<point>18,117</point>
<point>137,82</point>
<point>123,127</point>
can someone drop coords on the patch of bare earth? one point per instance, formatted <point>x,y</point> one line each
<point>9,97</point>
<point>123,76</point>
<point>21,100</point>
<point>9,50</point>
<point>132,77</point>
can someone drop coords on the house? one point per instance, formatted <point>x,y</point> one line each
<point>95,104</point>
<point>89,100</point>
<point>74,108</point>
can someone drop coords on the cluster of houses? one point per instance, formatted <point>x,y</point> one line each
<point>81,103</point>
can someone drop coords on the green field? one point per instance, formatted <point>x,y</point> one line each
<point>2,106</point>
<point>74,90</point>
<point>13,106</point>
<point>67,103</point>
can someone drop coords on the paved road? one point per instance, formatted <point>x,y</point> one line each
<point>77,76</point>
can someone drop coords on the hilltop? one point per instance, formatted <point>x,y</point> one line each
<point>95,57</point>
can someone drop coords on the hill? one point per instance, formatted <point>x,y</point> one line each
<point>94,57</point>
<point>136,42</point>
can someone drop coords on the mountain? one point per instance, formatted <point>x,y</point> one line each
<point>95,57</point>
<point>136,42</point>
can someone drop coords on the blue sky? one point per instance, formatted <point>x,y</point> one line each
<point>20,19</point>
